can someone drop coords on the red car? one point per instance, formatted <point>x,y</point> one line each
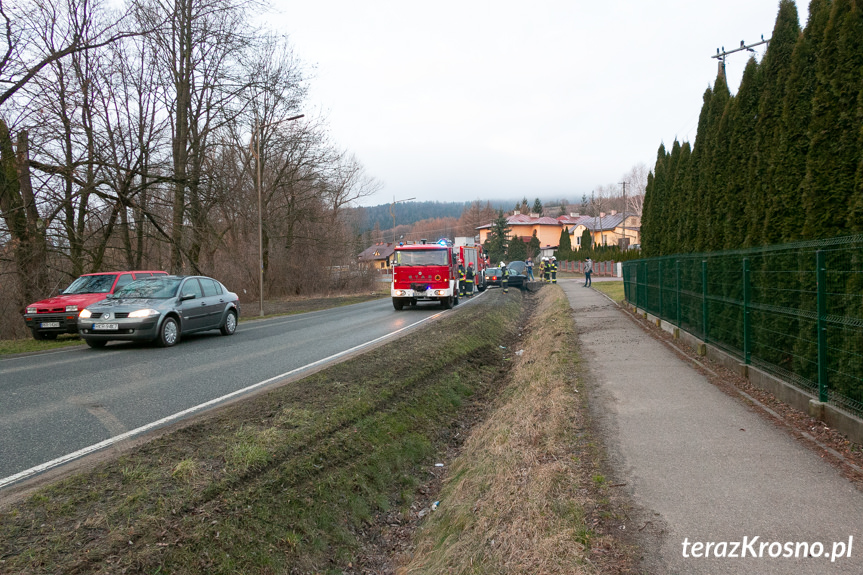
<point>50,317</point>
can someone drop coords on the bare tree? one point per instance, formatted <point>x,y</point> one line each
<point>475,215</point>
<point>636,183</point>
<point>198,50</point>
<point>36,35</point>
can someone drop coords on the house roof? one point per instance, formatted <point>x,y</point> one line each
<point>595,224</point>
<point>526,220</point>
<point>607,222</point>
<point>379,251</point>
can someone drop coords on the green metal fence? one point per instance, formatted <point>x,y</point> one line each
<point>794,310</point>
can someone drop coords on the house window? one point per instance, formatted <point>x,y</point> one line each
<point>578,241</point>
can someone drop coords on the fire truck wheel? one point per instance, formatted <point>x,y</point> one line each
<point>446,302</point>
<point>398,304</point>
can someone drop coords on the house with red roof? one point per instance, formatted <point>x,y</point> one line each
<point>605,229</point>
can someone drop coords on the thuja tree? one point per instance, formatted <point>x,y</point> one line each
<point>766,131</point>
<point>779,161</point>
<point>564,245</point>
<point>586,240</point>
<point>533,246</point>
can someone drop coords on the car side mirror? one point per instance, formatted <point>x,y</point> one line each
<point>186,296</point>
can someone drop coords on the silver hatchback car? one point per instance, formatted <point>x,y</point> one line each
<point>160,309</point>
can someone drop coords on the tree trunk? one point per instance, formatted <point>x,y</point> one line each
<point>18,207</point>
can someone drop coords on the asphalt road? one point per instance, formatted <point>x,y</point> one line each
<point>58,403</point>
<point>703,468</point>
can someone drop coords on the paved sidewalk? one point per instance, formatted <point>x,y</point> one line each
<point>702,466</point>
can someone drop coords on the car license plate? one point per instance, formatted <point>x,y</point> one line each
<point>50,324</point>
<point>97,326</point>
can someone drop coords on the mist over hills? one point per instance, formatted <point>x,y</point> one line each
<point>407,213</point>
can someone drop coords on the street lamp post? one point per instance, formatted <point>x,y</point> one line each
<point>257,152</point>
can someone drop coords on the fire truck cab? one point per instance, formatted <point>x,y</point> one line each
<point>425,272</point>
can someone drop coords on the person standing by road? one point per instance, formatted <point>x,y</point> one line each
<point>553,263</point>
<point>588,269</point>
<point>461,278</point>
<point>529,264</point>
<point>468,280</point>
<point>504,277</point>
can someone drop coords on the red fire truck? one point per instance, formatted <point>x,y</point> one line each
<point>425,272</point>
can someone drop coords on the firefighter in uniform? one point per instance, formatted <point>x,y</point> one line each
<point>468,278</point>
<point>553,270</point>
<point>546,270</point>
<point>461,279</point>
<point>504,277</point>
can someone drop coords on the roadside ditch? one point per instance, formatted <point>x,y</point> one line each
<point>482,412</point>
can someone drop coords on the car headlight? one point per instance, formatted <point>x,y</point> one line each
<point>85,313</point>
<point>143,313</point>
<point>31,310</point>
<point>71,308</point>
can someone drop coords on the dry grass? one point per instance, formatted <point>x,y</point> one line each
<point>514,501</point>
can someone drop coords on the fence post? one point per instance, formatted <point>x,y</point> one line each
<point>704,297</point>
<point>659,315</point>
<point>747,327</point>
<point>677,274</point>
<point>821,279</point>
<point>646,285</point>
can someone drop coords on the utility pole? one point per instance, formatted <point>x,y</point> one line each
<point>721,55</point>
<point>625,243</point>
<point>256,151</point>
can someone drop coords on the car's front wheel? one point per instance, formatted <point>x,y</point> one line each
<point>169,333</point>
<point>230,325</point>
<point>96,343</point>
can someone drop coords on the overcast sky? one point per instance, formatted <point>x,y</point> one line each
<point>457,101</point>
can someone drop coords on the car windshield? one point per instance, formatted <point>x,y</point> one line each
<point>422,258</point>
<point>91,284</point>
<point>492,272</point>
<point>150,288</point>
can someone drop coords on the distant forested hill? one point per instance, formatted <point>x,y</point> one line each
<point>406,213</point>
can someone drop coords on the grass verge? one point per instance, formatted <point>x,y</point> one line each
<point>291,481</point>
<point>613,289</point>
<point>526,495</point>
<point>26,345</point>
